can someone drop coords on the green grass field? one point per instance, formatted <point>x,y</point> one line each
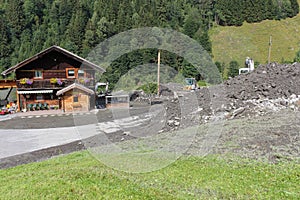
<point>79,176</point>
<point>236,43</point>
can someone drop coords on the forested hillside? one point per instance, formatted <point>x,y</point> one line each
<point>29,26</point>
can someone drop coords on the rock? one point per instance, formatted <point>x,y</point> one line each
<point>176,123</point>
<point>171,122</point>
<point>273,85</point>
<point>238,111</point>
<point>265,93</point>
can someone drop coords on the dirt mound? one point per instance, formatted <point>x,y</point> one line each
<point>269,88</point>
<point>271,81</point>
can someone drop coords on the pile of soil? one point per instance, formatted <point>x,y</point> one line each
<point>270,81</point>
<point>269,88</point>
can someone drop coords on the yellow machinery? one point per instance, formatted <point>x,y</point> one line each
<point>190,84</point>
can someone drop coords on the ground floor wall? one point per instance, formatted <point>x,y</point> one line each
<point>38,101</point>
<point>75,101</point>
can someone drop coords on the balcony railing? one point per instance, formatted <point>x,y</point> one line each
<point>46,84</point>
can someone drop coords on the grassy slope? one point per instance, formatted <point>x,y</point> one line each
<point>236,43</point>
<point>79,176</point>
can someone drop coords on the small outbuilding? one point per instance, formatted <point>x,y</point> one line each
<point>76,97</point>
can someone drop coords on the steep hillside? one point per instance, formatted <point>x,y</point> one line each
<point>236,43</point>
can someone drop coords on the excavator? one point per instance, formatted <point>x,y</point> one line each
<point>190,84</point>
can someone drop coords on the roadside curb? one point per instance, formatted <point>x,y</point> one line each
<point>45,114</point>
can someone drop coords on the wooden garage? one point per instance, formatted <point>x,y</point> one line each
<point>76,97</point>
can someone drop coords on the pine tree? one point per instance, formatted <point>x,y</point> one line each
<point>25,47</point>
<point>122,21</point>
<point>15,17</point>
<point>161,8</point>
<point>76,28</point>
<point>104,29</point>
<point>64,15</point>
<point>295,7</point>
<point>203,38</point>
<point>192,23</point>
<point>233,69</point>
<point>90,37</point>
<point>4,43</point>
<point>173,15</point>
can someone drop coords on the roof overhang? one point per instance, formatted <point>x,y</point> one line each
<point>75,86</point>
<point>83,61</point>
<point>34,91</point>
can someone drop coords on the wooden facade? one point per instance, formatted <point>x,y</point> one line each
<point>39,78</point>
<point>76,97</point>
<point>6,84</point>
<point>76,101</point>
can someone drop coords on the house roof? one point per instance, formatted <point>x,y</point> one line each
<point>53,48</point>
<point>73,86</point>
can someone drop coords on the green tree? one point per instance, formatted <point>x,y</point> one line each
<point>229,12</point>
<point>270,10</point>
<point>76,28</point>
<point>233,69</point>
<point>192,23</point>
<point>203,38</point>
<point>4,43</point>
<point>294,7</point>
<point>15,17</point>
<point>104,29</point>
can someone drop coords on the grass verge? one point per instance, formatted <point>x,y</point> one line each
<point>79,176</point>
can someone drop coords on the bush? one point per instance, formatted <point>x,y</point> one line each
<point>233,69</point>
<point>149,88</point>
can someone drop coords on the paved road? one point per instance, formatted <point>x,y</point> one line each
<point>19,141</point>
<point>14,142</point>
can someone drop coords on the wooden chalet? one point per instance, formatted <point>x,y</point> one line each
<point>75,97</point>
<point>50,78</point>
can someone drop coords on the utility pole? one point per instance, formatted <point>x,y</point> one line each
<point>270,46</point>
<point>158,72</point>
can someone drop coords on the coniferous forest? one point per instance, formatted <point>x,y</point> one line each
<point>29,26</point>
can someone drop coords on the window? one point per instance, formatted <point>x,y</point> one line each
<point>80,73</point>
<point>38,74</point>
<point>71,73</point>
<point>39,97</point>
<point>75,99</point>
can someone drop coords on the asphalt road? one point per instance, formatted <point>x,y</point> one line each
<point>14,142</point>
<point>61,130</point>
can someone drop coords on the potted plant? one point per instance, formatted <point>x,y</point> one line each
<point>23,81</point>
<point>26,81</point>
<point>84,80</point>
<point>59,82</point>
<point>53,80</point>
<point>29,81</point>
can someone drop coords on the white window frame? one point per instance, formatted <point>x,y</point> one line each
<point>38,74</point>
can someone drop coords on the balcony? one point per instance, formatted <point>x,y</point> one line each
<point>46,84</point>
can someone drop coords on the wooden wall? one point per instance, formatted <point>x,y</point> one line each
<point>53,65</point>
<point>83,103</point>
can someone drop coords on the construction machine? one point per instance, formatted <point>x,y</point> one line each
<point>190,84</point>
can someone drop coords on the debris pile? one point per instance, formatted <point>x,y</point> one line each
<point>271,81</point>
<point>267,89</point>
